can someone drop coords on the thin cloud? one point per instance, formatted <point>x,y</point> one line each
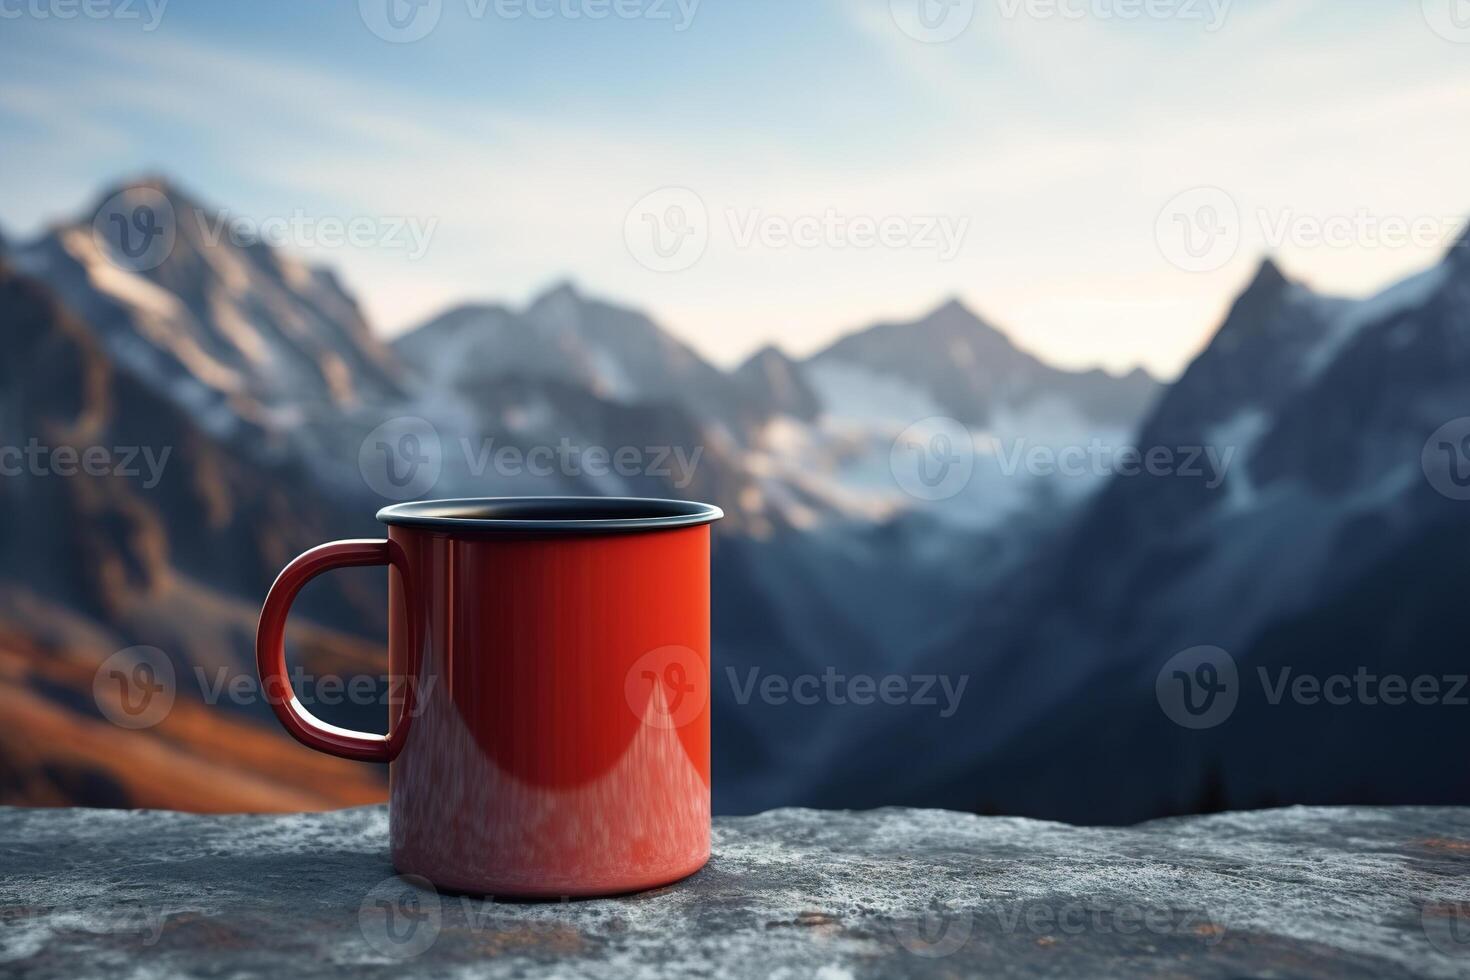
<point>1058,141</point>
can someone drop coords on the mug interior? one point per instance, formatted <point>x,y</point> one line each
<point>550,514</point>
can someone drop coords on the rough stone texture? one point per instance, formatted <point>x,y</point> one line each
<point>790,893</point>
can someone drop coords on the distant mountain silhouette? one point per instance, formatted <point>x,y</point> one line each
<point>236,332</point>
<point>172,551</point>
<point>1322,545</point>
<point>972,371</point>
<point>1324,550</point>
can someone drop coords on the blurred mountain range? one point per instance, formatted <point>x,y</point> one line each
<point>264,414</point>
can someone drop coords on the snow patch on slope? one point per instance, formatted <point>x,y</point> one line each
<point>1238,435</point>
<point>1044,448</point>
<point>1354,316</point>
<point>860,396</point>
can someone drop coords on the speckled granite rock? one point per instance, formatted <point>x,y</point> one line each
<point>791,893</point>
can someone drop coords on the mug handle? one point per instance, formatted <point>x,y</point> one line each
<point>270,653</point>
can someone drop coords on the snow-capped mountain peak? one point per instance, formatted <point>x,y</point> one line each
<point>237,331</point>
<point>969,370</point>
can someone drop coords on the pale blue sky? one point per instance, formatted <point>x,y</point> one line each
<point>1054,135</point>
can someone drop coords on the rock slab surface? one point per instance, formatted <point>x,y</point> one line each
<point>789,893</point>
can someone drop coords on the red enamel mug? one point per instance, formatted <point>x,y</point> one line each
<point>550,732</point>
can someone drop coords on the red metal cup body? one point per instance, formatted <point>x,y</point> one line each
<point>560,743</point>
<point>551,732</point>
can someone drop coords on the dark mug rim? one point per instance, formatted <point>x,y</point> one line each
<point>580,514</point>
